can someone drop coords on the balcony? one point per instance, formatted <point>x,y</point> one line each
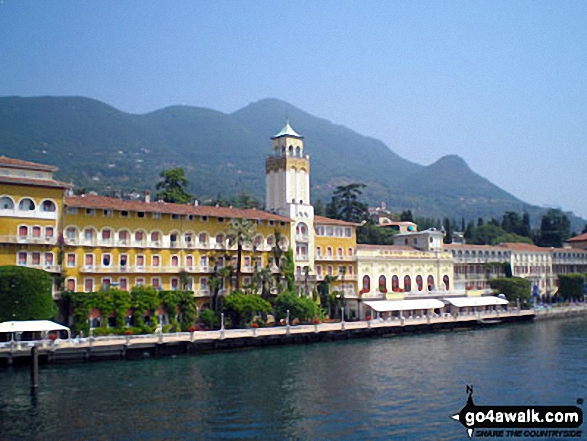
<point>302,238</point>
<point>202,293</point>
<point>29,240</point>
<point>302,258</point>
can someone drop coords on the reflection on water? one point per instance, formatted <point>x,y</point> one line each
<point>388,388</point>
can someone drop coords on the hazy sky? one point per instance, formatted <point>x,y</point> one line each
<point>503,84</point>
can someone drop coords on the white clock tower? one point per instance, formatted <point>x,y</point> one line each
<point>288,192</point>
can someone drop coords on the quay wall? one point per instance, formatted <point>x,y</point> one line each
<point>200,342</point>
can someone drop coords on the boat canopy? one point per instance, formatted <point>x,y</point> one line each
<point>32,326</point>
<point>462,302</point>
<point>404,305</point>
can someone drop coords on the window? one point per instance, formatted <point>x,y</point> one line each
<point>318,251</point>
<point>175,216</point>
<point>174,283</point>
<point>90,212</point>
<point>88,285</point>
<point>89,260</point>
<point>106,282</point>
<point>140,259</point>
<point>203,238</point>
<point>48,206</point>
<point>219,239</point>
<point>106,259</point>
<point>139,236</point>
<point>407,284</point>
<point>107,213</point>
<point>88,234</point>
<point>140,214</point>
<point>155,237</point>
<point>204,262</point>
<point>123,283</point>
<point>106,235</point>
<point>189,261</point>
<point>6,203</point>
<point>123,261</point>
<point>203,283</point>
<point>49,232</point>
<point>36,231</point>
<point>71,233</point>
<point>156,282</point>
<point>49,259</point>
<point>71,210</point>
<point>26,204</point>
<point>156,216</point>
<point>124,213</point>
<point>174,261</point>
<point>71,260</point>
<point>123,236</point>
<point>319,270</point>
<point>22,258</point>
<point>23,230</point>
<point>366,284</point>
<point>156,261</point>
<point>71,285</point>
<point>139,281</point>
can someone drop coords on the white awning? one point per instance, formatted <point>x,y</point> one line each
<point>461,302</point>
<point>32,326</point>
<point>404,305</point>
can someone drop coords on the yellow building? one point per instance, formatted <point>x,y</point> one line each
<point>31,207</point>
<point>94,242</point>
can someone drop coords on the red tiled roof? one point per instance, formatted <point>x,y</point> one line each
<point>17,163</point>
<point>579,238</point>
<point>321,220</point>
<point>103,202</point>
<point>34,182</point>
<point>523,247</point>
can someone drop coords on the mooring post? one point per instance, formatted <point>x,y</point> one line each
<point>34,367</point>
<point>222,325</point>
<point>287,323</point>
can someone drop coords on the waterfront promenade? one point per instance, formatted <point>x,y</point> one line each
<point>162,344</point>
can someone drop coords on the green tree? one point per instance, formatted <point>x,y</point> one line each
<point>172,186</point>
<point>301,307</point>
<point>555,228</point>
<point>486,234</point>
<point>241,308</point>
<point>447,231</point>
<point>25,294</point>
<point>240,232</point>
<point>319,208</point>
<point>345,204</point>
<point>571,286</point>
<point>406,216</point>
<point>513,288</point>
<point>369,233</point>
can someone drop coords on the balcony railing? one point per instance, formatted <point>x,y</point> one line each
<point>37,240</point>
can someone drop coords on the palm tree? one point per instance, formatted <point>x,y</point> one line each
<point>240,232</point>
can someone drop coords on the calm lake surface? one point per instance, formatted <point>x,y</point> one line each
<point>389,388</point>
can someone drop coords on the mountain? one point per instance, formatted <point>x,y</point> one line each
<point>101,148</point>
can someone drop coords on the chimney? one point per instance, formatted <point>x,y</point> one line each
<point>147,196</point>
<point>196,203</point>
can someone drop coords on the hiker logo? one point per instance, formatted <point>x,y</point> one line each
<point>520,421</point>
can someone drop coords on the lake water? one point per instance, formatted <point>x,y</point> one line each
<point>389,388</point>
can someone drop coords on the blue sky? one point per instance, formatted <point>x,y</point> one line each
<point>500,83</point>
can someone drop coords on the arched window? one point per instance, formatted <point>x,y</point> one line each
<point>291,150</point>
<point>446,281</point>
<point>366,284</point>
<point>329,251</point>
<point>407,284</point>
<point>430,283</point>
<point>298,152</point>
<point>382,284</point>
<point>395,284</point>
<point>26,204</point>
<point>6,203</point>
<point>48,206</point>
<point>419,283</point>
<point>23,230</point>
<point>203,239</point>
<point>123,236</point>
